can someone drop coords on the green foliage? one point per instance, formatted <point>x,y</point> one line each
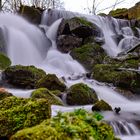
<point>81,94</point>
<point>18,113</point>
<point>4,61</point>
<point>77,125</point>
<point>46,94</point>
<point>51,82</point>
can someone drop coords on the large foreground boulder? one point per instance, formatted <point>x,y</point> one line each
<point>81,94</point>
<point>23,76</point>
<point>78,125</point>
<point>51,82</point>
<point>46,94</point>
<point>18,113</point>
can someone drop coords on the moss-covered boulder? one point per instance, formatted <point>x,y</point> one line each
<point>131,13</point>
<point>46,94</point>
<point>77,125</point>
<point>21,113</point>
<point>81,94</point>
<point>31,13</point>
<point>5,62</point>
<point>51,82</point>
<point>101,106</point>
<point>4,93</point>
<point>23,76</point>
<point>112,74</point>
<point>89,55</point>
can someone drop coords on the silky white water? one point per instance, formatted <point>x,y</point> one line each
<point>27,45</point>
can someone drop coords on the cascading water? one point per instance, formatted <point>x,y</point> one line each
<point>26,45</point>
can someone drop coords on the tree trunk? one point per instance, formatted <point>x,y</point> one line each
<point>0,5</point>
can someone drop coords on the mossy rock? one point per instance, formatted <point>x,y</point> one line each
<point>23,76</point>
<point>89,55</point>
<point>46,94</point>
<point>78,26</point>
<point>4,93</point>
<point>111,74</point>
<point>51,82</point>
<point>77,125</point>
<point>101,106</point>
<point>19,116</point>
<point>5,62</point>
<point>81,94</point>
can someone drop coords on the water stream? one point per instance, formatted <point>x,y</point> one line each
<point>27,45</point>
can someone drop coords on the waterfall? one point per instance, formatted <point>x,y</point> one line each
<point>26,44</point>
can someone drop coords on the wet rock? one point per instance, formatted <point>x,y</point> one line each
<point>65,43</point>
<point>101,106</point>
<point>51,82</point>
<point>81,94</point>
<point>22,76</point>
<point>46,94</point>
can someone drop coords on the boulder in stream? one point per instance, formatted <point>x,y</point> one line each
<point>80,94</point>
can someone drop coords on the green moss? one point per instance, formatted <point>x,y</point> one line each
<point>23,76</point>
<point>81,94</point>
<point>109,73</point>
<point>101,106</point>
<point>4,61</point>
<point>78,125</point>
<point>118,12</point>
<point>89,55</point>
<point>51,82</point>
<point>84,21</point>
<point>46,94</point>
<point>22,114</point>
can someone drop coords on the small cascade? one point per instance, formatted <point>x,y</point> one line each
<point>124,128</point>
<point>118,35</point>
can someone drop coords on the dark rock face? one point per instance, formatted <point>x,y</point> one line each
<point>23,76</point>
<point>81,94</point>
<point>31,13</point>
<point>66,43</point>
